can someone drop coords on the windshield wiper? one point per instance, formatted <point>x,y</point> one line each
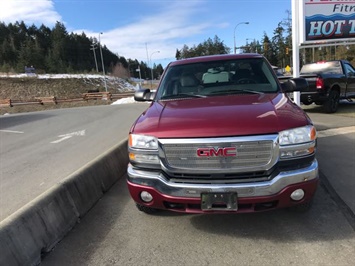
<point>182,95</point>
<point>235,91</point>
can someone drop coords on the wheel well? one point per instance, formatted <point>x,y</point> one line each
<point>335,88</point>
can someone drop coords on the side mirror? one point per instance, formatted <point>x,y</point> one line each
<point>144,95</point>
<point>295,84</point>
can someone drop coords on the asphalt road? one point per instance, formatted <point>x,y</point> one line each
<point>114,232</point>
<point>41,148</point>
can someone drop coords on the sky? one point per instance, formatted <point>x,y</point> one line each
<point>152,30</point>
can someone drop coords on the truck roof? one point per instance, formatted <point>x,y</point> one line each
<point>214,58</point>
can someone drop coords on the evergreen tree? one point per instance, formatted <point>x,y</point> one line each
<point>58,50</point>
<point>278,42</point>
<point>159,69</point>
<point>178,54</point>
<point>208,47</point>
<point>123,61</point>
<point>268,50</point>
<point>27,56</point>
<point>8,54</point>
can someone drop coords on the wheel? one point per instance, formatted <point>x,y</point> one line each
<point>307,103</point>
<point>303,207</point>
<point>146,209</point>
<point>332,103</point>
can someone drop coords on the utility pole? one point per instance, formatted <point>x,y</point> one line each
<point>102,61</point>
<point>146,49</point>
<point>93,49</point>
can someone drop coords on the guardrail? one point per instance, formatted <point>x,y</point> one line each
<point>54,100</point>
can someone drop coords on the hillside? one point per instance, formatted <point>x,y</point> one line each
<point>22,87</point>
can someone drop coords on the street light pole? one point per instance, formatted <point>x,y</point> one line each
<point>150,59</point>
<point>102,61</point>
<point>235,47</point>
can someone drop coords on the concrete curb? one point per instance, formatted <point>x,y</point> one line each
<point>38,226</point>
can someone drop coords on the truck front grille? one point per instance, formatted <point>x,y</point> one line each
<point>250,155</point>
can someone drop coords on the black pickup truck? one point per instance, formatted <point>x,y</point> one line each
<point>329,82</point>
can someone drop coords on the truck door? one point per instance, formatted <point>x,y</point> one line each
<point>350,74</point>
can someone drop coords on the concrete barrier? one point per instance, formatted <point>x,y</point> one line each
<point>38,226</point>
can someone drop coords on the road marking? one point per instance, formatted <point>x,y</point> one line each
<point>60,140</point>
<point>68,136</point>
<point>335,131</point>
<point>12,131</point>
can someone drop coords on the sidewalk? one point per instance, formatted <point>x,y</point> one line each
<point>336,154</point>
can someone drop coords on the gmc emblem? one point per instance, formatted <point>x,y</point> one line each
<point>219,152</point>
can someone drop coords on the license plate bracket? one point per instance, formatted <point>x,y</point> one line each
<point>220,201</point>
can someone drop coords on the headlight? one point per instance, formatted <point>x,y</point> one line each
<point>297,135</point>
<point>143,151</point>
<point>143,142</point>
<point>297,142</point>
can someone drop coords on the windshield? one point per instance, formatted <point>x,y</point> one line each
<point>331,67</point>
<point>204,79</point>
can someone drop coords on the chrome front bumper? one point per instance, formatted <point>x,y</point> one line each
<point>266,188</point>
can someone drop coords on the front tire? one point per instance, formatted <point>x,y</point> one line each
<point>146,209</point>
<point>332,103</point>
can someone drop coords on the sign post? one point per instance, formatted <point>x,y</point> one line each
<point>296,16</point>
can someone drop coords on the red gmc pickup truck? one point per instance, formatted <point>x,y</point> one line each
<point>220,136</point>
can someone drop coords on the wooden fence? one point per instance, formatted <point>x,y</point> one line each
<point>54,100</point>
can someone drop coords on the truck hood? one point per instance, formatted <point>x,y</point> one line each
<point>220,116</point>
